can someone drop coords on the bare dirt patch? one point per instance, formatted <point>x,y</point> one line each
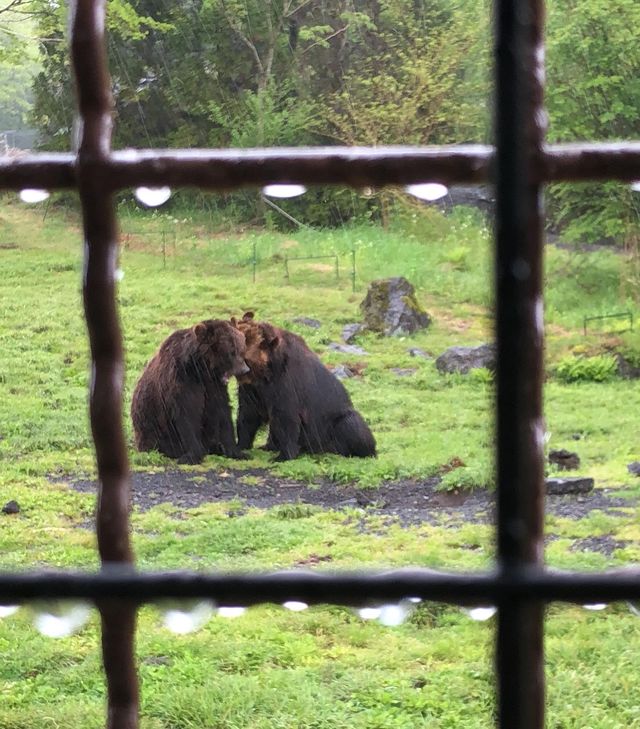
<point>408,502</point>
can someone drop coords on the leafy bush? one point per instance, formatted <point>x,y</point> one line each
<point>601,368</point>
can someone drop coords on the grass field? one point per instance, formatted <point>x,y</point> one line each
<point>325,667</point>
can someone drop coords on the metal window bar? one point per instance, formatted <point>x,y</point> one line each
<point>520,164</point>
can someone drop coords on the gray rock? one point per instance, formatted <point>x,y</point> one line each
<point>342,372</point>
<point>634,468</point>
<point>305,321</point>
<point>415,352</point>
<point>391,308</point>
<point>351,331</point>
<point>463,359</point>
<point>347,348</point>
<point>476,196</point>
<point>11,507</point>
<point>561,486</point>
<point>404,371</point>
<point>564,460</point>
<point>626,369</point>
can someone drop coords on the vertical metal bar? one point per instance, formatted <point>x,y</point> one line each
<point>107,365</point>
<point>520,126</point>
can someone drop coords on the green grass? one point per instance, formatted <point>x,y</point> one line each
<point>324,667</point>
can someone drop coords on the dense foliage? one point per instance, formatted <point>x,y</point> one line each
<point>246,73</point>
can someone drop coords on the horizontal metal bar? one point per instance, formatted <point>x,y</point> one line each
<point>43,171</point>
<point>319,587</point>
<point>597,161</point>
<point>352,166</point>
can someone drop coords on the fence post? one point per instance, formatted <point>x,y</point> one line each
<point>95,105</point>
<point>520,127</point>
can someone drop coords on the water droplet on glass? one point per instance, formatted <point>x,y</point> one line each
<point>33,195</point>
<point>152,197</point>
<point>395,614</point>
<point>6,610</point>
<point>284,190</point>
<point>60,618</point>
<point>187,615</point>
<point>295,605</point>
<point>369,613</point>
<point>480,613</point>
<point>427,190</point>
<point>595,606</point>
<point>635,186</point>
<point>231,612</point>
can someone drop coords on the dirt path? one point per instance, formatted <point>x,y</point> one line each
<point>409,502</point>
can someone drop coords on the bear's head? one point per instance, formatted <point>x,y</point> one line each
<point>220,346</point>
<point>263,344</point>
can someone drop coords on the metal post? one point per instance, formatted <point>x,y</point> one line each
<point>107,361</point>
<point>520,125</point>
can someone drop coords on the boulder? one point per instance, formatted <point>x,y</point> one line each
<point>347,348</point>
<point>391,308</point>
<point>634,468</point>
<point>564,460</point>
<point>481,197</point>
<point>463,359</point>
<point>351,331</point>
<point>342,372</point>
<point>562,486</point>
<point>415,352</point>
<point>625,369</point>
<point>11,507</point>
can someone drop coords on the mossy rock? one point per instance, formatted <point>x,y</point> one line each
<point>391,308</point>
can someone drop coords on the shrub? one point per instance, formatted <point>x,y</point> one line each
<point>601,368</point>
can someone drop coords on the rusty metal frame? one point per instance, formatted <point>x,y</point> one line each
<point>520,164</point>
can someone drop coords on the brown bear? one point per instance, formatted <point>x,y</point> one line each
<point>180,405</point>
<point>307,408</point>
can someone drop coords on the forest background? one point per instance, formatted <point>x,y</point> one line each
<point>253,73</point>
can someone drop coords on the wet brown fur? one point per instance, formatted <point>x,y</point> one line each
<point>307,408</point>
<point>180,405</point>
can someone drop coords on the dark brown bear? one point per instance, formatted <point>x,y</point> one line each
<point>308,409</point>
<point>180,406</point>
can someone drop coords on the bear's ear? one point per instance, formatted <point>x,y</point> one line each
<point>200,330</point>
<point>270,342</point>
<point>248,316</point>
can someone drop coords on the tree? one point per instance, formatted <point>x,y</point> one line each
<point>411,85</point>
<point>593,93</point>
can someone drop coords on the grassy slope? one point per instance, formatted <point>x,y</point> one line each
<point>324,668</point>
